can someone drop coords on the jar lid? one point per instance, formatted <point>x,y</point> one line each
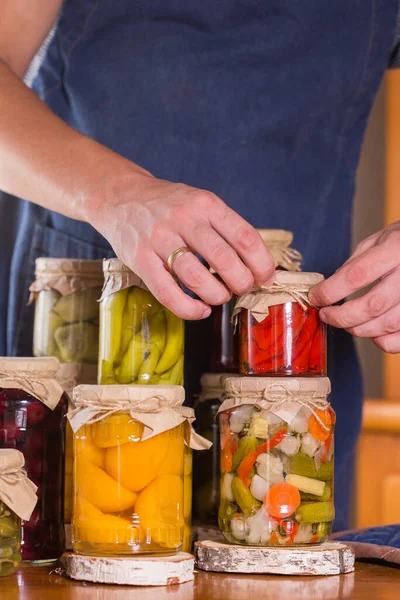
<point>16,490</point>
<point>36,376</point>
<point>288,286</point>
<point>66,275</point>
<point>212,385</point>
<point>158,407</point>
<point>118,276</point>
<point>276,237</point>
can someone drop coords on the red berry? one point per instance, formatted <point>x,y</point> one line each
<point>36,412</point>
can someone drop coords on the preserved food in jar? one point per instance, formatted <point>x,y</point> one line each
<point>129,470</point>
<point>206,464</point>
<point>35,424</point>
<point>67,312</point>
<point>280,331</point>
<point>276,461</point>
<point>140,340</point>
<point>225,349</point>
<point>19,498</point>
<point>187,499</point>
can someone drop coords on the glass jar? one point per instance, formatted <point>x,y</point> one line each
<point>206,464</point>
<point>67,311</point>
<point>129,487</point>
<point>19,501</point>
<point>225,349</point>
<point>276,461</point>
<point>35,425</point>
<point>140,340</point>
<point>282,333</point>
<point>187,499</point>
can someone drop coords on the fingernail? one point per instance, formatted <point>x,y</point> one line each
<point>322,315</point>
<point>206,313</point>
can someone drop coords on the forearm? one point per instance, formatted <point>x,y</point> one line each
<point>45,161</point>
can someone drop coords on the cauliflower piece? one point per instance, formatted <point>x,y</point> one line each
<point>240,417</point>
<point>300,422</point>
<point>309,445</point>
<point>261,527</point>
<point>226,487</point>
<point>270,468</point>
<point>303,535</point>
<point>289,445</point>
<point>259,487</point>
<point>240,529</point>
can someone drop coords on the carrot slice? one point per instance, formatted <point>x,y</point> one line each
<point>316,429</point>
<point>282,500</point>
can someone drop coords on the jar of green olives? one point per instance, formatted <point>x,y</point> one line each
<point>66,324</point>
<point>141,341</point>
<point>17,501</point>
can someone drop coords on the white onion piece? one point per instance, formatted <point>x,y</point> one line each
<point>309,445</point>
<point>259,487</point>
<point>261,526</point>
<point>239,529</point>
<point>289,445</point>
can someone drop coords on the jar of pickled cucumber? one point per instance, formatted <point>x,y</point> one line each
<point>206,476</point>
<point>140,340</point>
<point>66,322</point>
<point>277,438</point>
<point>32,419</point>
<point>225,349</point>
<point>69,375</point>
<point>17,501</point>
<point>280,330</point>
<point>129,469</point>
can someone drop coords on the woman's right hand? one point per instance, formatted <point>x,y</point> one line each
<point>145,219</point>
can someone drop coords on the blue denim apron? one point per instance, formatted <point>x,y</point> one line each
<point>264,103</point>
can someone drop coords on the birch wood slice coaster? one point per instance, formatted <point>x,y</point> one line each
<point>124,570</point>
<point>331,558</point>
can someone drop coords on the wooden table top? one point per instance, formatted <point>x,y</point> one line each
<point>369,582</point>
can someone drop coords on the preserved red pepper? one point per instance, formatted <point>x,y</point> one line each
<point>280,331</point>
<point>225,350</point>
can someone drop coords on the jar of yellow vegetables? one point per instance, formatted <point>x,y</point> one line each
<point>129,469</point>
<point>141,341</point>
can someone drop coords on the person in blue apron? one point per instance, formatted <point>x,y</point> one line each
<point>262,104</point>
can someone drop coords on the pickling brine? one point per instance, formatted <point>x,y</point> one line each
<point>10,540</point>
<point>277,465</point>
<point>141,341</point>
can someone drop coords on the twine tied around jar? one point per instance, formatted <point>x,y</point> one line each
<point>287,287</point>
<point>158,412</point>
<point>16,490</point>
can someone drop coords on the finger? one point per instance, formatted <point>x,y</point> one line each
<point>362,271</point>
<point>363,246</point>
<point>383,296</point>
<point>197,278</point>
<point>246,242</point>
<point>388,343</point>
<point>221,257</point>
<point>164,287</point>
<point>387,323</point>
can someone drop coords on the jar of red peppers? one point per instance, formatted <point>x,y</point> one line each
<point>277,437</point>
<point>225,349</point>
<point>32,411</point>
<point>280,330</point>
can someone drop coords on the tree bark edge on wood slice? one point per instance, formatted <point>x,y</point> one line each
<point>331,558</point>
<point>124,570</point>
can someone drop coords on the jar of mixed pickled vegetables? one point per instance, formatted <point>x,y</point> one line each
<point>140,340</point>
<point>66,323</point>
<point>69,375</point>
<point>129,469</point>
<point>32,420</point>
<point>280,331</point>
<point>277,442</point>
<point>225,349</point>
<point>206,464</point>
<point>17,501</point>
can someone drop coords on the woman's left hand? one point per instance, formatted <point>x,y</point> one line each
<point>376,314</point>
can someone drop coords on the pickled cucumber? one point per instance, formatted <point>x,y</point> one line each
<point>248,504</point>
<point>137,308</point>
<point>137,352</point>
<point>226,514</point>
<point>174,343</point>
<point>10,541</point>
<point>147,368</point>
<point>315,512</point>
<point>78,306</point>
<point>301,464</point>
<point>324,531</point>
<point>246,445</point>
<point>112,308</point>
<point>78,342</point>
<point>327,494</point>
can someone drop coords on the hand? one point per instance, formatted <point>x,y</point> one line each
<point>145,219</point>
<point>376,314</point>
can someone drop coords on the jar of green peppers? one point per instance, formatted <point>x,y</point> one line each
<point>140,340</point>
<point>17,501</point>
<point>277,443</point>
